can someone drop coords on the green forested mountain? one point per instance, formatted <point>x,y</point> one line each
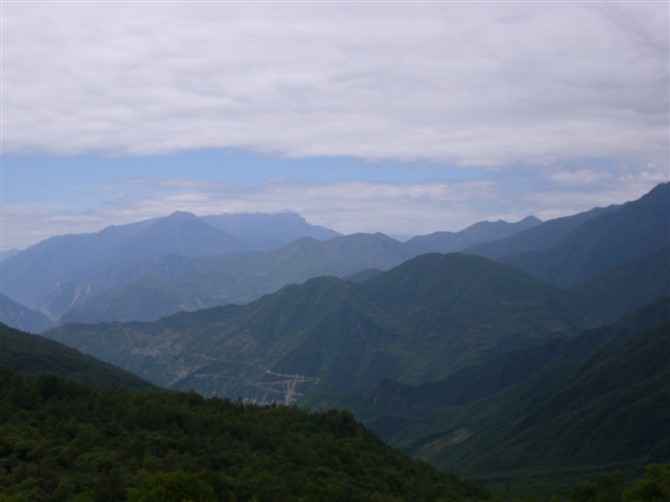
<point>479,233</point>
<point>88,278</point>
<point>470,364</point>
<point>227,278</point>
<point>627,287</point>
<point>545,416</point>
<point>420,321</point>
<point>391,407</point>
<point>603,242</point>
<point>88,283</point>
<point>537,238</point>
<point>243,277</point>
<point>33,355</point>
<point>150,297</point>
<point>463,309</point>
<point>62,441</point>
<point>610,411</point>
<point>565,251</point>
<point>40,270</point>
<point>525,417</point>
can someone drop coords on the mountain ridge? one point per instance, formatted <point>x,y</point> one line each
<point>479,233</point>
<point>78,256</point>
<point>499,421</point>
<point>603,242</point>
<point>227,278</point>
<point>368,337</point>
<point>202,281</point>
<point>33,355</point>
<point>611,409</point>
<point>22,317</point>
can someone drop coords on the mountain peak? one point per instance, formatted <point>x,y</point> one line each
<point>268,231</point>
<point>182,216</point>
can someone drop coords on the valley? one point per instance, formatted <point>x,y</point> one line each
<point>505,352</point>
<point>334,251</point>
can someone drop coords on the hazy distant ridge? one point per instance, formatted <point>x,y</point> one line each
<point>20,317</point>
<point>417,322</point>
<point>71,261</point>
<point>201,263</point>
<point>603,242</point>
<point>181,263</point>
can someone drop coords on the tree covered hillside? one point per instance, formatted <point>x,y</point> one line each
<point>611,411</point>
<point>60,440</point>
<point>32,355</point>
<point>418,322</point>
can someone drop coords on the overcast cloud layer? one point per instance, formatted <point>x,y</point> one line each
<point>469,84</point>
<point>435,85</point>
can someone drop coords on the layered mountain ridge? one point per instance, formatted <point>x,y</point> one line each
<point>519,370</point>
<point>77,429</point>
<point>242,277</point>
<point>417,322</point>
<point>22,317</point>
<point>204,262</point>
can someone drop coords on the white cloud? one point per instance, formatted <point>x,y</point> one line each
<point>483,84</point>
<point>348,206</point>
<point>564,103</point>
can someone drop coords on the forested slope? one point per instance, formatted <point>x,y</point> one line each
<point>33,355</point>
<point>60,440</point>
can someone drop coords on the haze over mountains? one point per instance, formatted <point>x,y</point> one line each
<point>21,317</point>
<point>472,363</point>
<point>184,354</point>
<point>183,262</point>
<point>78,429</point>
<point>601,243</point>
<point>33,355</point>
<point>502,415</point>
<point>62,266</point>
<point>417,322</point>
<point>7,254</point>
<point>151,269</point>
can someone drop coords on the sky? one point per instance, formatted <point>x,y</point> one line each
<point>402,117</point>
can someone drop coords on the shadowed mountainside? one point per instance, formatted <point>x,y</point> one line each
<point>20,317</point>
<point>417,322</point>
<point>605,241</point>
<point>33,355</point>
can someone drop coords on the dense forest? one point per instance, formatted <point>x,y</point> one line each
<point>33,355</point>
<point>61,440</point>
<point>511,379</point>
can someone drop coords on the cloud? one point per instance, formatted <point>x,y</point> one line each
<point>348,205</point>
<point>466,84</point>
<point>557,107</point>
